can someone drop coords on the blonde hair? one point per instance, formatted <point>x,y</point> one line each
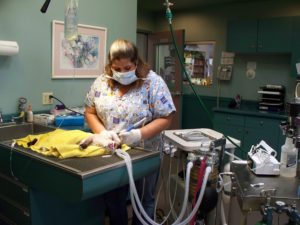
<point>123,49</point>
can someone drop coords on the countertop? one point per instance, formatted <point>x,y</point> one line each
<point>251,198</point>
<point>53,175</point>
<point>252,111</point>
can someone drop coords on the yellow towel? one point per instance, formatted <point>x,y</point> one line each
<point>62,144</point>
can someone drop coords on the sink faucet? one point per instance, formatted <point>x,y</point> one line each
<point>20,118</point>
<point>21,110</point>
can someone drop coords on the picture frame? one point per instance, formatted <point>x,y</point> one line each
<point>81,58</point>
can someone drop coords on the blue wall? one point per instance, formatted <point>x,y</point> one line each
<point>28,74</point>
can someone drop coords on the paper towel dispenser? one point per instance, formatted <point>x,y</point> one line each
<point>9,48</point>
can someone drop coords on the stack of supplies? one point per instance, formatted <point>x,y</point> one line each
<point>272,98</point>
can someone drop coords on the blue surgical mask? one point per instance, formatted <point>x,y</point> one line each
<point>124,78</point>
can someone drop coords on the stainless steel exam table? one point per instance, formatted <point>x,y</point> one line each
<point>61,191</point>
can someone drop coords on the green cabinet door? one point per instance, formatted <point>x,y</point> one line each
<point>258,129</point>
<point>254,135</point>
<point>234,132</point>
<point>296,46</point>
<point>250,130</point>
<point>242,36</point>
<point>193,114</point>
<point>230,125</point>
<point>272,35</point>
<point>275,35</point>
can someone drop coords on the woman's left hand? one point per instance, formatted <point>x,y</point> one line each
<point>131,137</point>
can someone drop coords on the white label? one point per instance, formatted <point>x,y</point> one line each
<point>291,160</point>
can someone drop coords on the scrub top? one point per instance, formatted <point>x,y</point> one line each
<point>152,100</point>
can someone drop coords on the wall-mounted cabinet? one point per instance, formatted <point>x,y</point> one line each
<point>273,35</point>
<point>296,46</point>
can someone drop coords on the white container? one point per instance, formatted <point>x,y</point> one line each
<point>288,159</point>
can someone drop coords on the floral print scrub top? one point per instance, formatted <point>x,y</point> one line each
<point>152,100</point>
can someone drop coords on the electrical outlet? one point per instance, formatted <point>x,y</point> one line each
<point>46,98</point>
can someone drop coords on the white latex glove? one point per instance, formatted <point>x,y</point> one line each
<point>104,139</point>
<point>131,137</point>
<point>111,135</point>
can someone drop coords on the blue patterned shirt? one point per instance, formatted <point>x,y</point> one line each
<point>152,100</point>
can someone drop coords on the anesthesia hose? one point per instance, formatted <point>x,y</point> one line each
<point>183,209</point>
<point>134,195</point>
<point>186,194</point>
<point>199,200</point>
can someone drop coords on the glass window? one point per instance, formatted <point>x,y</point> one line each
<point>199,62</point>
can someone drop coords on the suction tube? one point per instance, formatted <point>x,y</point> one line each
<point>139,205</point>
<point>133,191</point>
<point>186,194</point>
<point>199,200</point>
<point>135,198</point>
<point>134,195</point>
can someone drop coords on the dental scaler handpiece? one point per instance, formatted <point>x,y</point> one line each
<point>134,126</point>
<point>87,142</point>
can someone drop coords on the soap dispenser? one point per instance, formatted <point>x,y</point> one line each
<point>288,159</point>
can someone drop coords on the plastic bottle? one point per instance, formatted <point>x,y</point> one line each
<point>71,19</point>
<point>29,114</point>
<point>288,159</point>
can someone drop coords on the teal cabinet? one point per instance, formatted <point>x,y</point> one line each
<point>230,125</point>
<point>22,205</point>
<point>296,46</point>
<point>242,36</point>
<point>272,35</point>
<point>193,113</point>
<point>250,130</point>
<point>257,129</point>
<point>14,202</point>
<point>275,35</point>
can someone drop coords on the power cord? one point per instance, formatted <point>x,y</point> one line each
<point>63,104</point>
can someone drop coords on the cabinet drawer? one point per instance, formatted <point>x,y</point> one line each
<point>228,119</point>
<point>14,213</point>
<point>264,123</point>
<point>234,132</point>
<point>4,220</point>
<point>14,191</point>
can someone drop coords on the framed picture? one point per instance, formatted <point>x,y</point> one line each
<point>81,58</point>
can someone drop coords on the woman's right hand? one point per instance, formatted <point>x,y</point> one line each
<point>104,139</point>
<point>131,137</point>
